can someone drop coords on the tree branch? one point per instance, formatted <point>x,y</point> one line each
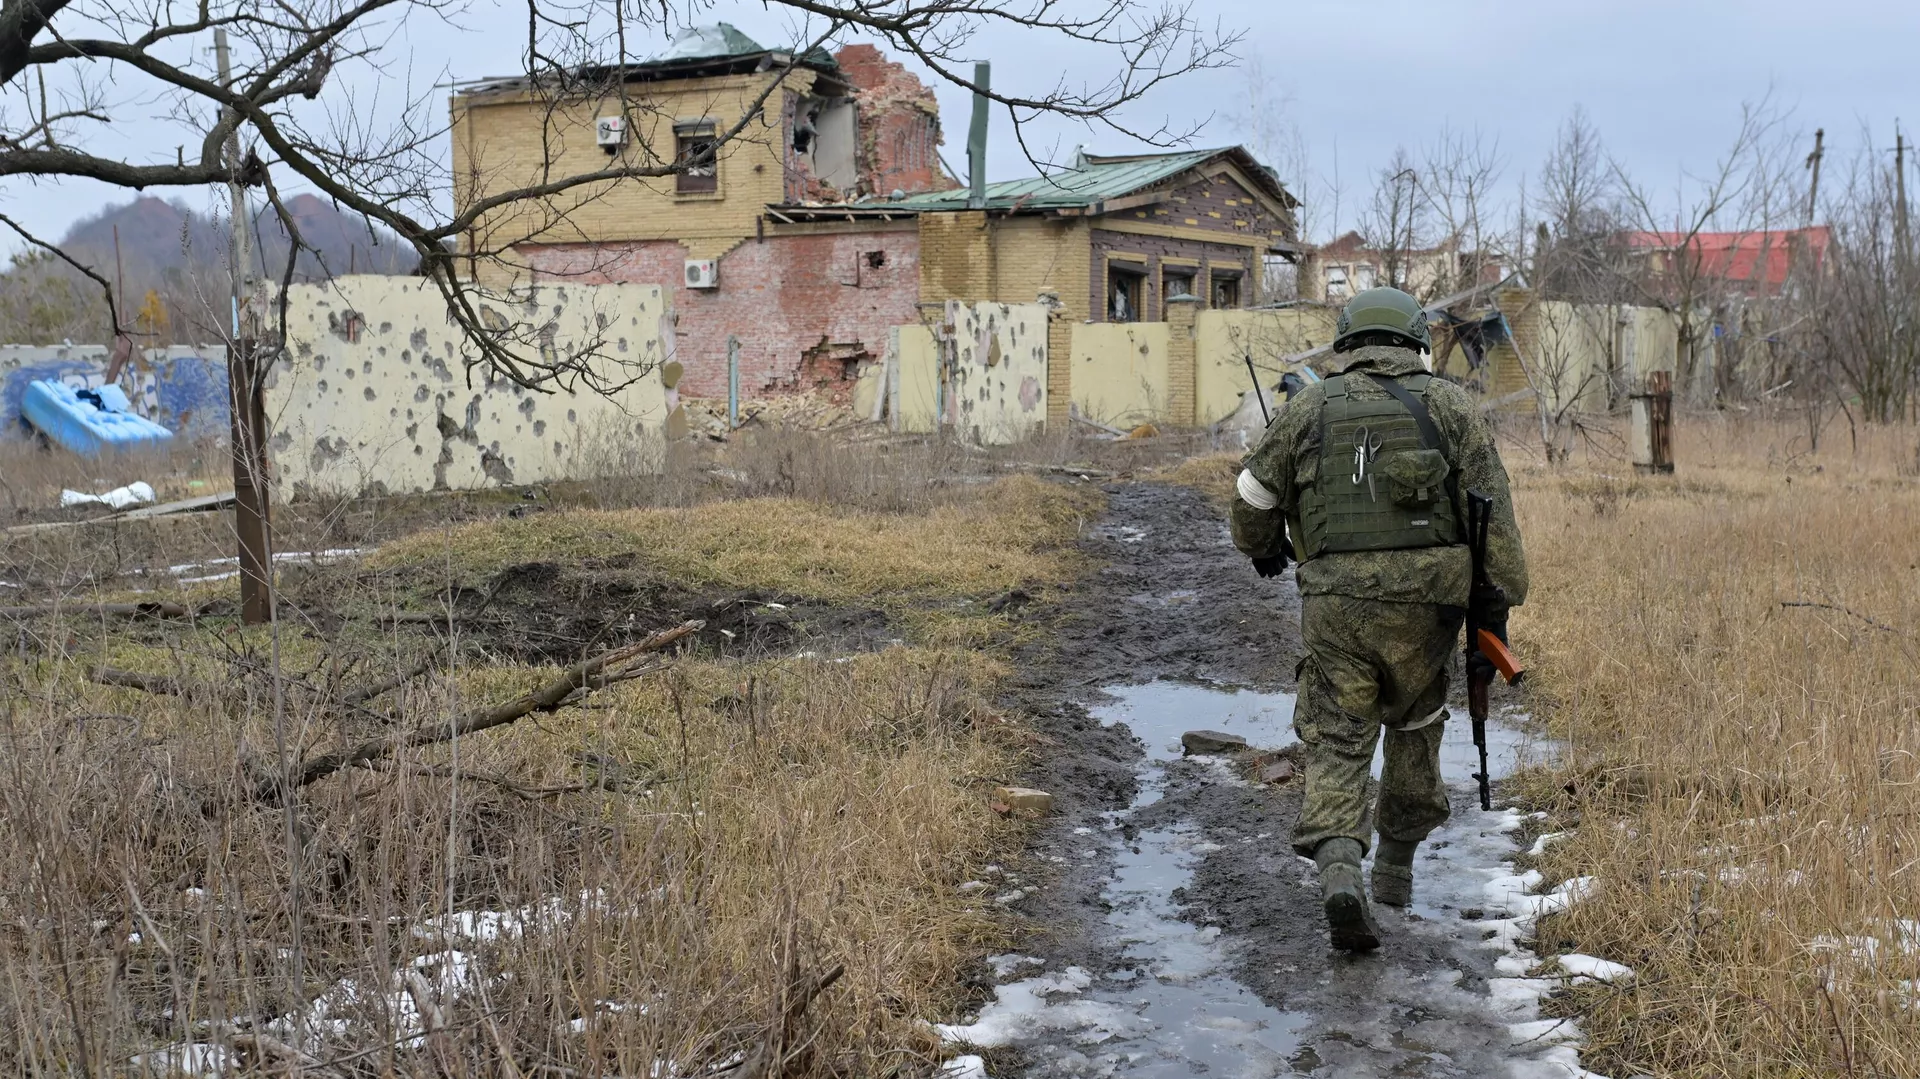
<point>619,665</point>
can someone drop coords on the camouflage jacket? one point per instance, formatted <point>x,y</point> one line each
<point>1289,452</point>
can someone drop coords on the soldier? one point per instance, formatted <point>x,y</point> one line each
<point>1368,471</point>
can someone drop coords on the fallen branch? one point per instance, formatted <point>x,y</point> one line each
<point>142,609</point>
<point>600,671</point>
<point>1881,626</point>
<point>441,771</point>
<point>150,683</point>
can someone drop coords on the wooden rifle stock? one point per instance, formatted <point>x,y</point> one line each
<point>1502,659</point>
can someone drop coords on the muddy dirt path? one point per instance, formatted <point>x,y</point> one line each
<point>1177,933</point>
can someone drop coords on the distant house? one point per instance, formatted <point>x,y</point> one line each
<point>1760,262</point>
<point>1349,265</point>
<point>830,221</point>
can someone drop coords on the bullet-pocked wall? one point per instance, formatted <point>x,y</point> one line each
<point>376,394</point>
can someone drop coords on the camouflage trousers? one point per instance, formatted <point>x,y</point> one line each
<point>1371,665</point>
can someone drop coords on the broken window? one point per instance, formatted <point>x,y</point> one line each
<point>696,147</point>
<point>1177,283</point>
<point>1226,290</point>
<point>1125,291</point>
<point>825,139</point>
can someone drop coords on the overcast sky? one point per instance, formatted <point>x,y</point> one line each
<point>1662,81</point>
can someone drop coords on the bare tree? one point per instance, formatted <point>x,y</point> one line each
<point>1576,254</point>
<point>1861,341</point>
<point>1459,172</point>
<point>1395,221</point>
<point>1745,192</point>
<point>298,110</point>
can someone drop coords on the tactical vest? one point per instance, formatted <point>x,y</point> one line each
<point>1382,480</point>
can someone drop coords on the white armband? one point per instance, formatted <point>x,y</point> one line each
<point>1254,493</point>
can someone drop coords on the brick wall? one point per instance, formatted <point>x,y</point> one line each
<point>781,296</point>
<point>899,123</point>
<point>1165,254</point>
<point>504,141</point>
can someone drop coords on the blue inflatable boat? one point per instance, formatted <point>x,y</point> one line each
<point>88,422</point>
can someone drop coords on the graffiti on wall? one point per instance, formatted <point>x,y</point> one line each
<point>183,388</point>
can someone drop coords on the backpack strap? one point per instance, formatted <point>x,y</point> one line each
<point>1417,405</point>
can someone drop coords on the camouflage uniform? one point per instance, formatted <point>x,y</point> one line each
<point>1378,626</point>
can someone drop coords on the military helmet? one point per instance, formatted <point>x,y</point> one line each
<point>1382,310</point>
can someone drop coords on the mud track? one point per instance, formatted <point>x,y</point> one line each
<point>1172,600</point>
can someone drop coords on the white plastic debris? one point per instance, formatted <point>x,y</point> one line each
<point>137,493</point>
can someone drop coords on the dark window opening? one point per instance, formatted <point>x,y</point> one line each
<point>876,259</point>
<point>1178,283</point>
<point>1226,290</point>
<point>1125,293</point>
<point>806,127</point>
<point>695,150</point>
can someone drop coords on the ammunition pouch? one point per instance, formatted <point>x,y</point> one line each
<point>1382,479</point>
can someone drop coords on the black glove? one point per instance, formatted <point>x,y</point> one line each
<point>1270,567</point>
<point>1275,565</point>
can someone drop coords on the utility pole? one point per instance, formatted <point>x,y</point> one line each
<point>1813,162</point>
<point>1900,234</point>
<point>248,434</point>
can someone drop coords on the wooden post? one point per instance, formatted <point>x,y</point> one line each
<point>1652,424</point>
<point>247,410</point>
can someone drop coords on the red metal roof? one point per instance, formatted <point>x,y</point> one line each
<point>1761,258</point>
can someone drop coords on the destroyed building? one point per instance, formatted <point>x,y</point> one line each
<point>827,222</point>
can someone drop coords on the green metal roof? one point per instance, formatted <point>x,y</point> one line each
<point>704,42</point>
<point>1088,184</point>
<point>1097,179</point>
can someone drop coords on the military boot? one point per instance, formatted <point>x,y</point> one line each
<point>1393,872</point>
<point>1348,919</point>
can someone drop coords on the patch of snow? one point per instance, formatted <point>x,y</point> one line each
<point>1546,840</point>
<point>197,1059</point>
<point>1545,1032</point>
<point>966,1067</point>
<point>1003,966</point>
<point>1592,968</point>
<point>1022,1009</point>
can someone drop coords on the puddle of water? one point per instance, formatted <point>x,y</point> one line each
<point>1177,1011</point>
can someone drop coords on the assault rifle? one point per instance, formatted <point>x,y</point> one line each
<point>1485,652</point>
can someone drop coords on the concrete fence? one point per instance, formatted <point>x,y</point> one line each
<point>378,392</point>
<point>982,369</point>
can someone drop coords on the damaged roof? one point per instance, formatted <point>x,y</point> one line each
<point>705,42</point>
<point>1093,180</point>
<point>695,52</point>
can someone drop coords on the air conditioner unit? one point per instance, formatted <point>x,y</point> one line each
<point>610,132</point>
<point>703,273</point>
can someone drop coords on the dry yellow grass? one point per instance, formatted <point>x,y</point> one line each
<point>759,821</point>
<point>1004,536</point>
<point>1732,657</point>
